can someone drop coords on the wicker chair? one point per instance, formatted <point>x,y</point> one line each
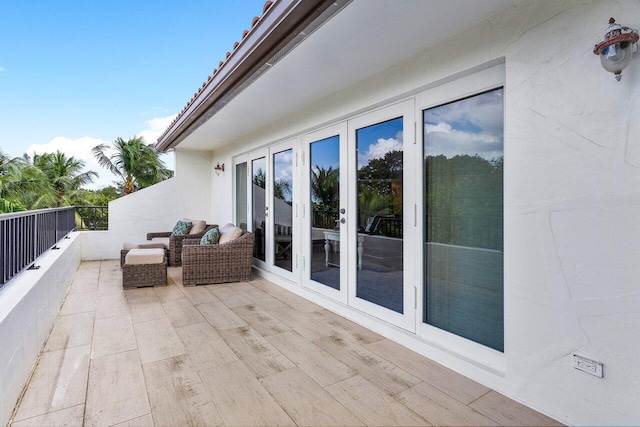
<point>229,262</point>
<point>176,242</point>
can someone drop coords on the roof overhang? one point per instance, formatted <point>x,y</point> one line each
<point>303,51</point>
<point>283,25</point>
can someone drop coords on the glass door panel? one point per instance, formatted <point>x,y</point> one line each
<point>258,206</point>
<point>382,269</point>
<point>379,243</point>
<point>463,193</point>
<point>324,168</point>
<point>326,212</point>
<point>282,191</point>
<point>241,195</point>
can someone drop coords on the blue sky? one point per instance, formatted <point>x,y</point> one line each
<point>471,126</point>
<point>77,73</point>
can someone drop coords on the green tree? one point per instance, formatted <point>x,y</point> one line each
<point>259,178</point>
<point>325,187</point>
<point>8,201</point>
<point>282,189</point>
<point>378,174</point>
<point>137,164</point>
<point>21,184</point>
<point>66,177</point>
<point>103,196</point>
<point>464,200</point>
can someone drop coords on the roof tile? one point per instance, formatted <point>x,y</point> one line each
<point>254,22</point>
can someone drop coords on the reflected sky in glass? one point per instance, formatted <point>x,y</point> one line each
<point>326,153</point>
<point>377,140</point>
<point>472,126</point>
<point>283,172</point>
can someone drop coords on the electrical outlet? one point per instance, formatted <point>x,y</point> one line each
<point>587,365</point>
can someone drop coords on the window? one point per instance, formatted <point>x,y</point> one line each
<point>463,242</point>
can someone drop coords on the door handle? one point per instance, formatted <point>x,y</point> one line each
<point>342,220</point>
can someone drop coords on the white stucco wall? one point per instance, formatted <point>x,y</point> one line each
<point>572,198</point>
<point>29,305</point>
<point>156,208</point>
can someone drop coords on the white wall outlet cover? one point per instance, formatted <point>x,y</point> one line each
<point>587,365</point>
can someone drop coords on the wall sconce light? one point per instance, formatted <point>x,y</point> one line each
<point>616,49</point>
<point>219,168</point>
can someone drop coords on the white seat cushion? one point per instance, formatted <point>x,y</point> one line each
<point>145,244</point>
<point>228,234</point>
<point>144,256</point>
<point>163,240</point>
<point>197,227</point>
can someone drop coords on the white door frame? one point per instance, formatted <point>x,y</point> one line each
<point>482,81</point>
<point>339,130</point>
<point>291,144</point>
<point>406,110</point>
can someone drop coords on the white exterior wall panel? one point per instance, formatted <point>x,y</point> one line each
<point>157,208</point>
<point>29,306</point>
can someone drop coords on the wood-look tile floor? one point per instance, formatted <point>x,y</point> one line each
<point>236,354</point>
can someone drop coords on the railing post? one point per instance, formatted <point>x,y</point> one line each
<point>36,236</point>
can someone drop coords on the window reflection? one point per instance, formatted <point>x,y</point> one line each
<point>463,146</point>
<point>283,208</point>
<point>325,203</point>
<point>379,239</point>
<point>258,186</point>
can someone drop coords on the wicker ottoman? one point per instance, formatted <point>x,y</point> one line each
<point>145,244</point>
<point>144,267</point>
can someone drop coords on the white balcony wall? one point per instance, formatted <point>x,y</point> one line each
<point>572,198</point>
<point>29,305</point>
<point>155,208</point>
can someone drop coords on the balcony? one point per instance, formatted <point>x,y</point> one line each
<point>235,354</point>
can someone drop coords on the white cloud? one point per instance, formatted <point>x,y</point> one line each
<point>156,127</point>
<point>80,148</point>
<point>1,68</point>
<point>284,165</point>
<point>471,126</point>
<point>444,139</point>
<point>380,148</point>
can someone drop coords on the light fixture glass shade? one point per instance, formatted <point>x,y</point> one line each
<point>616,57</point>
<point>617,48</point>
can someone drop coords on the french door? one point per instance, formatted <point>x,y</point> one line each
<point>359,219</point>
<point>325,212</point>
<point>271,190</point>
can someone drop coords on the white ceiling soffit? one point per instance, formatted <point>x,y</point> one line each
<point>363,39</point>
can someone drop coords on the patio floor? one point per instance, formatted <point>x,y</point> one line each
<point>236,354</point>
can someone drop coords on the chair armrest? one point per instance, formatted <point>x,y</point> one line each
<point>194,252</point>
<point>158,234</point>
<point>190,242</point>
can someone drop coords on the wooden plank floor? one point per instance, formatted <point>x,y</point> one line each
<point>236,354</point>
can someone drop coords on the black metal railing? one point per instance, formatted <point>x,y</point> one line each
<point>92,218</point>
<point>325,218</point>
<point>383,225</point>
<point>24,236</point>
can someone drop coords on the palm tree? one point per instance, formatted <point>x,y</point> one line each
<point>65,176</point>
<point>137,164</point>
<point>325,190</point>
<point>8,203</point>
<point>21,184</point>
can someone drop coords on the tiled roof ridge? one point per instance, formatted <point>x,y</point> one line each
<point>254,22</point>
